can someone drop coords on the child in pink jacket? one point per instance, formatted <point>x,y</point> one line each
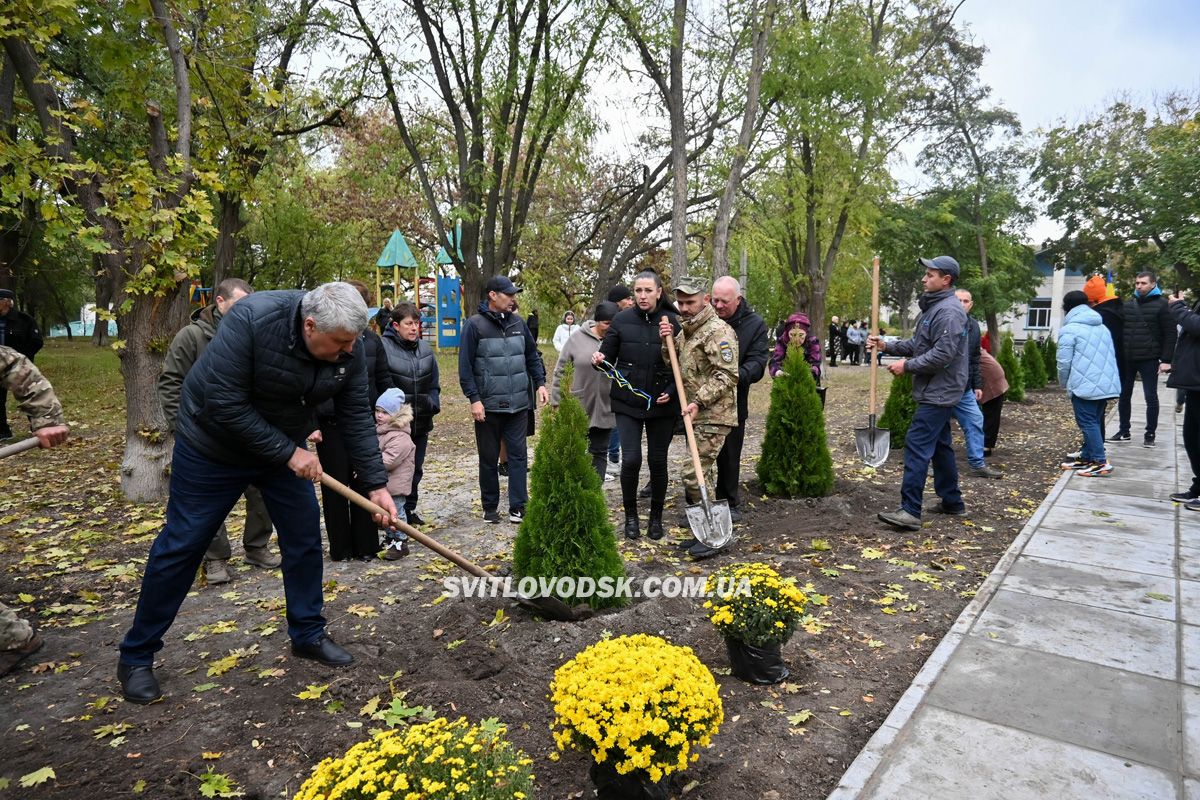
<point>392,421</point>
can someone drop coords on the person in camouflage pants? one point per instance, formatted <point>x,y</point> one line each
<point>708,364</point>
<point>36,397</point>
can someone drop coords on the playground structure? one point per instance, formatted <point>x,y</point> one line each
<point>439,297</point>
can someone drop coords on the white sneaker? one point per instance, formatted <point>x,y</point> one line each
<point>1074,456</point>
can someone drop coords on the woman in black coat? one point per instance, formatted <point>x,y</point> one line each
<point>1185,375</point>
<point>352,532</point>
<point>633,346</point>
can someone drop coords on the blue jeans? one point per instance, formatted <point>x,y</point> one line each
<point>1088,414</point>
<point>928,441</point>
<point>1148,370</point>
<point>511,428</point>
<point>202,493</point>
<point>970,419</point>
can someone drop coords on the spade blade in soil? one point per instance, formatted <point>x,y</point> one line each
<point>710,522</point>
<point>874,443</point>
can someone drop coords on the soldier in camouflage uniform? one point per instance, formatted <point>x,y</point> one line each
<point>708,363</point>
<point>36,398</point>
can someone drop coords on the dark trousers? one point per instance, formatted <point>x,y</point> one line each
<point>614,446</point>
<point>598,440</point>
<point>1148,370</point>
<point>1191,436</point>
<point>256,534</point>
<point>421,442</point>
<point>991,421</point>
<point>658,440</point>
<point>351,531</point>
<point>511,428</point>
<point>4,428</point>
<point>202,493</point>
<point>729,465</point>
<point>928,441</point>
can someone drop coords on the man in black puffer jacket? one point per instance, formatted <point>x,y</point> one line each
<point>754,350</point>
<point>414,371</point>
<point>246,410</point>
<point>1149,346</point>
<point>1185,375</point>
<point>496,361</point>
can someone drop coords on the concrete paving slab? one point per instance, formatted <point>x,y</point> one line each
<point>1189,602</point>
<point>1189,668</point>
<point>1191,789</point>
<point>1105,709</point>
<point>1101,587</point>
<point>950,756</point>
<point>1189,535</point>
<point>1191,730</point>
<point>1141,506</point>
<point>1108,519</point>
<point>1115,484</point>
<point>1101,550</point>
<point>1112,638</point>
<point>1189,563</point>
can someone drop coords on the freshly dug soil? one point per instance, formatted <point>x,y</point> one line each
<point>73,551</point>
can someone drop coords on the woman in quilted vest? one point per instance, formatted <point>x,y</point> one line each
<point>1087,369</point>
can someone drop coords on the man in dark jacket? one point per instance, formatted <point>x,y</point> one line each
<point>20,332</point>
<point>835,341</point>
<point>247,407</point>
<point>1149,335</point>
<point>937,358</point>
<point>1185,375</point>
<point>185,350</point>
<point>967,412</point>
<point>497,358</point>
<point>414,371</point>
<point>754,349</point>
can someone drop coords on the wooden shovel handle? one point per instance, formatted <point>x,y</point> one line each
<point>874,331</point>
<point>20,447</point>
<point>443,551</point>
<point>687,420</point>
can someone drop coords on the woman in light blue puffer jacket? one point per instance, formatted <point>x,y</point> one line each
<point>1087,368</point>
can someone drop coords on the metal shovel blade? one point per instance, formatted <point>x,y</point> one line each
<point>710,523</point>
<point>874,444</point>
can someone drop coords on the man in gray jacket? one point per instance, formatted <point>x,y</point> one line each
<point>937,358</point>
<point>185,350</point>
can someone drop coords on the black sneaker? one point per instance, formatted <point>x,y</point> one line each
<point>1183,497</point>
<point>1148,441</point>
<point>1192,505</point>
<point>502,468</point>
<point>492,516</point>
<point>414,519</point>
<point>516,515</point>
<point>645,492</point>
<point>1119,437</point>
<point>6,434</point>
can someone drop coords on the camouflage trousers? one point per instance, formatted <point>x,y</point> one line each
<point>709,441</point>
<point>14,631</point>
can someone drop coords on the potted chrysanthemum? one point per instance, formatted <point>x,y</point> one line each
<point>757,611</point>
<point>437,759</point>
<point>642,708</point>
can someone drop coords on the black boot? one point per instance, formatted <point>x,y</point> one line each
<point>655,528</point>
<point>632,529</point>
<point>138,684</point>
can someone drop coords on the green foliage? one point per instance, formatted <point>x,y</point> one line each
<point>899,409</point>
<point>1033,366</point>
<point>1012,369</point>
<point>795,454</point>
<point>1050,359</point>
<point>566,531</point>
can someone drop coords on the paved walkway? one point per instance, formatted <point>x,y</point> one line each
<point>1074,671</point>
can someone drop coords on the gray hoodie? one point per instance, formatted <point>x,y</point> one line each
<point>590,385</point>
<point>937,354</point>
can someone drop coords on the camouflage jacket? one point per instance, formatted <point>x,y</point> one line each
<point>708,363</point>
<point>33,392</point>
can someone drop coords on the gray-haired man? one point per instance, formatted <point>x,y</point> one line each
<point>246,409</point>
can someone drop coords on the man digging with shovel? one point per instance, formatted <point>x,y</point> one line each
<point>936,357</point>
<point>708,366</point>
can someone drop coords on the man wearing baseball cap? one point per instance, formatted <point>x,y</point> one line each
<point>937,359</point>
<point>497,360</point>
<point>20,332</point>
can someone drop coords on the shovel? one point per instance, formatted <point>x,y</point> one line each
<point>710,521</point>
<point>19,447</point>
<point>548,607</point>
<point>874,443</point>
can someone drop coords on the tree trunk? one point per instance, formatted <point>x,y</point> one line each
<point>678,146</point>
<point>229,225</point>
<point>149,327</point>
<point>992,319</point>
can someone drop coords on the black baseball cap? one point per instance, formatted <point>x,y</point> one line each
<point>499,283</point>
<point>944,264</point>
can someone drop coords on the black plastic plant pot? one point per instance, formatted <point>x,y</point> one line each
<point>761,665</point>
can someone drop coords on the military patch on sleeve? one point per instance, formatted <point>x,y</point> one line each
<point>726,352</point>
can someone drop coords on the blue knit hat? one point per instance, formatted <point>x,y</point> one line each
<point>390,401</point>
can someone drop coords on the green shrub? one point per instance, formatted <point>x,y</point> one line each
<point>899,409</point>
<point>795,454</point>
<point>1032,365</point>
<point>1012,369</point>
<point>566,531</point>
<point>1050,359</point>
